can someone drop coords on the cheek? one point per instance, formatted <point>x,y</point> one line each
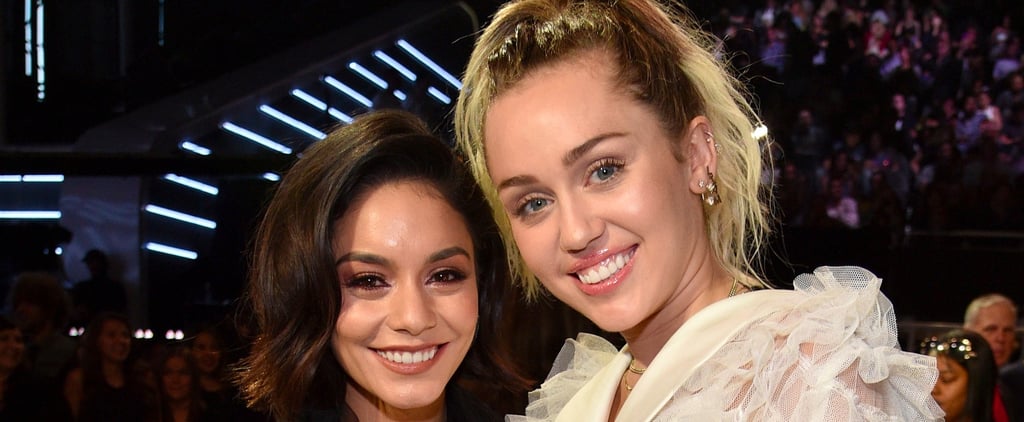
<point>354,328</point>
<point>538,244</point>
<point>463,310</point>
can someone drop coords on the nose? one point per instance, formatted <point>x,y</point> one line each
<point>578,227</point>
<point>412,309</point>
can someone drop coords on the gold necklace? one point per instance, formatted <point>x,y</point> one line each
<point>632,368</point>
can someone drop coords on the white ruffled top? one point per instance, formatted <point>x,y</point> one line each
<point>825,351</point>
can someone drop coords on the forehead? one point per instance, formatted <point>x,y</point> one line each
<point>948,364</point>
<point>997,314</point>
<point>579,91</point>
<point>398,216</point>
<point>113,325</point>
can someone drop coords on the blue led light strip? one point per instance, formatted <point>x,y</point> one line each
<point>386,59</point>
<point>434,67</point>
<point>30,215</point>
<point>192,183</point>
<point>180,216</point>
<point>347,90</point>
<point>255,137</point>
<point>320,105</point>
<point>293,122</point>
<point>171,250</point>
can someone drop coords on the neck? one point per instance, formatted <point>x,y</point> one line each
<point>113,373</point>
<point>210,383</point>
<point>705,284</point>
<point>179,409</point>
<point>369,408</point>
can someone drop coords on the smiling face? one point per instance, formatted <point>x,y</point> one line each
<point>12,349</point>
<point>601,208</point>
<point>207,351</point>
<point>176,379</point>
<point>409,297</point>
<point>950,391</point>
<point>114,341</point>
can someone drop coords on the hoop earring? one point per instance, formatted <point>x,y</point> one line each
<point>710,193</point>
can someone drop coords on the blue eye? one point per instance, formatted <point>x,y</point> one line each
<point>532,205</point>
<point>605,170</point>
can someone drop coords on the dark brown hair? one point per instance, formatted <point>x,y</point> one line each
<point>294,291</point>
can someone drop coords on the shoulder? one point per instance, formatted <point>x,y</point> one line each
<point>1013,375</point>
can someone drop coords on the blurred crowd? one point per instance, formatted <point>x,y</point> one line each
<point>888,114</point>
<point>107,373</point>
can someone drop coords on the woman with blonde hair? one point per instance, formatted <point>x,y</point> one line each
<point>618,156</point>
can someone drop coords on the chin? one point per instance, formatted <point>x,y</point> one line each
<point>411,396</point>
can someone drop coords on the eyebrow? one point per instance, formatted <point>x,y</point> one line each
<point>374,259</point>
<point>570,157</point>
<point>447,253</point>
<point>574,154</point>
<point>368,258</point>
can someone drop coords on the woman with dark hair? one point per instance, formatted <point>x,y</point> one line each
<point>377,280</point>
<point>967,375</point>
<point>177,381</point>
<point>103,387</point>
<point>23,397</point>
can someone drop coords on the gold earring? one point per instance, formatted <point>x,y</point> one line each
<point>710,193</point>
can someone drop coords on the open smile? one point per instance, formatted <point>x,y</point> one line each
<point>409,357</point>
<point>606,268</point>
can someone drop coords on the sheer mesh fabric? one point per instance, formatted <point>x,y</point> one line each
<point>831,356</point>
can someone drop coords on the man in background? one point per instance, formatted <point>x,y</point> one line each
<point>99,292</point>
<point>994,316</point>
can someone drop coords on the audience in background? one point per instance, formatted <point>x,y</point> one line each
<point>967,375</point>
<point>98,293</point>
<point>994,317</point>
<point>954,76</point>
<point>22,396</point>
<point>40,309</point>
<point>177,381</point>
<point>221,397</point>
<point>104,387</point>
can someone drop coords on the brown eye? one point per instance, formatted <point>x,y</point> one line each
<point>447,276</point>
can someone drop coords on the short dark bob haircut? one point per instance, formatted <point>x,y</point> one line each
<point>294,291</point>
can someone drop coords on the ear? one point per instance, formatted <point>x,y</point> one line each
<point>701,153</point>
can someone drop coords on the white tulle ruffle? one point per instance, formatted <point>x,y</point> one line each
<point>830,354</point>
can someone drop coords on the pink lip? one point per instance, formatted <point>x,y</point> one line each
<point>611,283</point>
<point>410,368</point>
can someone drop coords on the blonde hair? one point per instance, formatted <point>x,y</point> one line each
<point>668,63</point>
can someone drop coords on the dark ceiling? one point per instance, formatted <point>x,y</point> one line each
<point>105,58</point>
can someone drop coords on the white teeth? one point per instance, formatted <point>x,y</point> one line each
<point>603,271</point>
<point>409,357</point>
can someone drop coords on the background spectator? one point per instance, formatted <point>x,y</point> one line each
<point>98,293</point>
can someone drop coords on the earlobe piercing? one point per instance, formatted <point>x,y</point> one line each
<point>710,193</point>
